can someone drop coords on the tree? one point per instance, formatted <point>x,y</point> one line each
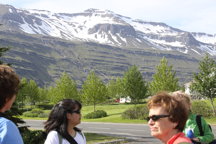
<point>43,94</point>
<point>115,88</point>
<point>164,79</point>
<point>134,85</point>
<point>21,97</point>
<point>204,82</point>
<point>33,92</point>
<point>29,91</point>
<point>65,88</point>
<point>94,90</point>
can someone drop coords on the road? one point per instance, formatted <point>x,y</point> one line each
<point>135,132</point>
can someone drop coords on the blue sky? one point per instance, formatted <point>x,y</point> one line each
<point>188,15</point>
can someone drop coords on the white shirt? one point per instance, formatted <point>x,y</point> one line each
<point>53,138</point>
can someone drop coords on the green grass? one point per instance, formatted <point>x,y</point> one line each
<point>114,112</point>
<point>93,138</point>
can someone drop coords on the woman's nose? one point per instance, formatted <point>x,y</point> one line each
<point>150,122</point>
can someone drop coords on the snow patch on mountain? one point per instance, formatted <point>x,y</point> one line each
<point>106,27</point>
<point>205,38</point>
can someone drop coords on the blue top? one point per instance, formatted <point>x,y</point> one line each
<point>9,133</point>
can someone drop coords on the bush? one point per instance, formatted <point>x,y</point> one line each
<point>96,114</point>
<point>201,108</point>
<point>45,106</point>
<point>136,112</point>
<point>34,137</point>
<point>37,111</point>
<point>25,109</point>
<point>29,114</point>
<point>43,115</point>
<point>33,113</point>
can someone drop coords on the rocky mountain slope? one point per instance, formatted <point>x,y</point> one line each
<point>44,44</point>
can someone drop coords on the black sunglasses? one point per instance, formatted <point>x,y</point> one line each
<point>156,117</point>
<point>77,112</point>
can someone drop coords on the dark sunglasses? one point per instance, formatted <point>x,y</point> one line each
<point>77,112</point>
<point>156,117</point>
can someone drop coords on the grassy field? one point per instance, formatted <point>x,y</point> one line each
<point>114,112</point>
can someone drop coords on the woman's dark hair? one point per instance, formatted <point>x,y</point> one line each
<point>58,116</point>
<point>9,84</point>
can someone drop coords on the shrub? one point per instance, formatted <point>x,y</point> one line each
<point>33,137</point>
<point>33,113</point>
<point>136,112</point>
<point>45,106</point>
<point>37,111</point>
<point>43,115</point>
<point>29,114</point>
<point>201,108</point>
<point>96,114</point>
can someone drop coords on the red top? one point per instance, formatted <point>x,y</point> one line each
<point>179,138</point>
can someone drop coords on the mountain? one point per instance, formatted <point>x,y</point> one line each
<point>44,44</point>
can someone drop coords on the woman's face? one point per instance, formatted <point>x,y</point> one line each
<point>160,128</point>
<point>74,118</point>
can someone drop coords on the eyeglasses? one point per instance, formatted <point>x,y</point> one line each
<point>156,117</point>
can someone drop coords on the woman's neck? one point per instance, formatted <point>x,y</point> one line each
<point>72,132</point>
<point>166,138</point>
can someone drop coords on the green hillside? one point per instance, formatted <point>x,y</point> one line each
<point>45,58</point>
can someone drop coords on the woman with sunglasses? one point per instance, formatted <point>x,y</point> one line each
<point>167,118</point>
<point>62,121</point>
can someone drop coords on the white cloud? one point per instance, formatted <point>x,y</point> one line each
<point>188,15</point>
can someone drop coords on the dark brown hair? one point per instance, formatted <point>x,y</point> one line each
<point>173,107</point>
<point>9,84</point>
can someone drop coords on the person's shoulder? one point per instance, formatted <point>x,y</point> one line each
<point>9,132</point>
<point>3,120</point>
<point>81,133</point>
<point>193,115</point>
<point>6,122</point>
<point>52,137</point>
<point>53,133</point>
<point>181,139</point>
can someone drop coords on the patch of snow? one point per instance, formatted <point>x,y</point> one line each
<point>208,48</point>
<point>175,44</point>
<point>210,39</point>
<point>10,10</point>
<point>196,51</point>
<point>123,39</point>
<point>152,29</point>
